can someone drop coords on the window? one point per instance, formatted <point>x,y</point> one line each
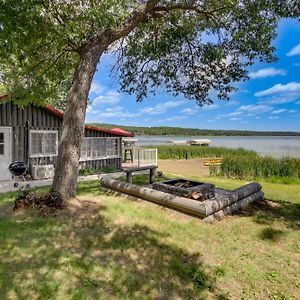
<point>43,143</point>
<point>99,148</point>
<point>1,143</point>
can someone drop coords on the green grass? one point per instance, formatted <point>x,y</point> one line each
<point>117,248</point>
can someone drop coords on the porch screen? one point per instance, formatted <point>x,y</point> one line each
<point>99,148</point>
<point>43,143</point>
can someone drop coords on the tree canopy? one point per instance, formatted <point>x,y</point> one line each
<point>196,48</point>
<point>49,51</point>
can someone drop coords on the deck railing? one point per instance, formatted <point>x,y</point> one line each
<point>144,157</point>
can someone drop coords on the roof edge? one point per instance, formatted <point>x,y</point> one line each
<point>60,115</point>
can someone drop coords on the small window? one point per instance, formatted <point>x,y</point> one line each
<point>43,143</point>
<point>1,143</point>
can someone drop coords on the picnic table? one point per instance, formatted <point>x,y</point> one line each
<point>130,170</point>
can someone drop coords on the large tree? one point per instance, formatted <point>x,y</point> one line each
<point>49,49</point>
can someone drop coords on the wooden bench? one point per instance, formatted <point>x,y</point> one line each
<point>130,170</point>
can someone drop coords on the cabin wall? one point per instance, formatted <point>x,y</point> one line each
<point>24,119</point>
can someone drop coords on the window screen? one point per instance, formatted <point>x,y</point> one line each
<point>99,147</point>
<point>43,143</point>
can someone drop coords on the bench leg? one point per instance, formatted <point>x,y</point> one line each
<point>152,175</point>
<point>129,177</point>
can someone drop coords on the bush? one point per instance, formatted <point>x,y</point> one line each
<point>92,171</point>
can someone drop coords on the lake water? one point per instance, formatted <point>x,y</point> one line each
<point>264,145</point>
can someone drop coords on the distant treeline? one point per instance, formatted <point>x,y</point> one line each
<point>164,130</point>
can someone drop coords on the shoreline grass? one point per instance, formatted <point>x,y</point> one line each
<point>245,167</point>
<point>239,163</point>
<point>189,152</point>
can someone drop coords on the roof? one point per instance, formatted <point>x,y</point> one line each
<point>59,114</point>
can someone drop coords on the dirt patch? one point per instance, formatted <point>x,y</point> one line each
<point>187,167</point>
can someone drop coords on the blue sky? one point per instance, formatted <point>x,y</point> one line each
<point>270,100</point>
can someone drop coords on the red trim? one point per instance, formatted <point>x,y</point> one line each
<point>3,97</point>
<point>55,111</point>
<point>111,131</point>
<point>59,114</point>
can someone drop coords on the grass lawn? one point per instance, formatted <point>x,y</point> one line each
<point>110,247</point>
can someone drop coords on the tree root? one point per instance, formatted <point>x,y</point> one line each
<point>47,202</point>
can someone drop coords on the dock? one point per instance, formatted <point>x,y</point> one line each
<point>196,142</point>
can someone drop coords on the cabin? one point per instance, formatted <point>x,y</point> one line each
<point>31,134</point>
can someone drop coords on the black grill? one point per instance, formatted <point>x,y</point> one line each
<point>18,168</point>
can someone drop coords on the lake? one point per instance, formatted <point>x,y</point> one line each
<point>264,145</point>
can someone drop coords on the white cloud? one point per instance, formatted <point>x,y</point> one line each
<point>96,88</point>
<point>111,97</point>
<point>209,107</point>
<point>189,111</point>
<point>294,51</point>
<point>255,109</point>
<point>267,72</point>
<point>161,108</point>
<point>236,119</point>
<point>292,87</point>
<point>282,99</point>
<point>176,118</point>
<point>232,102</point>
<point>236,113</point>
<point>117,112</point>
<point>273,118</point>
<point>91,110</point>
<point>279,111</point>
<point>291,111</point>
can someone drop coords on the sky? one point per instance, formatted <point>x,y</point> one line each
<point>269,100</point>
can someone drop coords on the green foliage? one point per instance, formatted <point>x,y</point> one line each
<point>257,167</point>
<point>194,51</point>
<point>189,152</point>
<point>92,171</point>
<point>188,48</point>
<point>165,130</point>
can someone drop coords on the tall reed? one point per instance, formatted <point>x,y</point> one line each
<point>236,163</point>
<point>244,167</point>
<point>188,152</point>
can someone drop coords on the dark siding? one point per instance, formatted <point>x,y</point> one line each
<point>39,118</point>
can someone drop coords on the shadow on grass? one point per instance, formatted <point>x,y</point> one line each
<point>271,234</point>
<point>266,212</point>
<point>85,255</point>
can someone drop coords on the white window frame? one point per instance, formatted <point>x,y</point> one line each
<point>45,154</point>
<point>105,156</point>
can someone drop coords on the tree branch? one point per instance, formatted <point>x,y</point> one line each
<point>139,15</point>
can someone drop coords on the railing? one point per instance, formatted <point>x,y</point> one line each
<point>144,157</point>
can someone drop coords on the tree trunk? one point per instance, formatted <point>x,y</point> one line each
<point>66,169</point>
